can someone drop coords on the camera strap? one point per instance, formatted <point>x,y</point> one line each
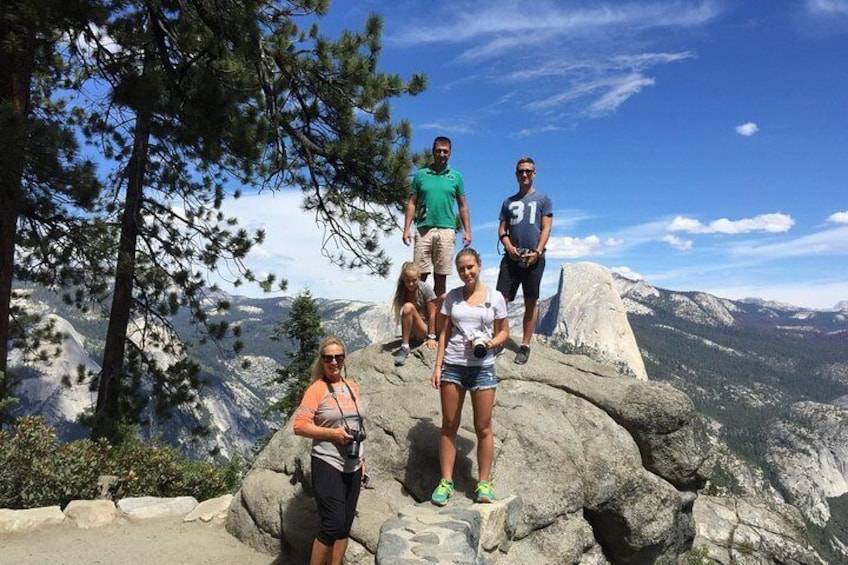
<point>353,396</point>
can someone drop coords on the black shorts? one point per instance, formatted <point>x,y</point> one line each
<point>336,494</point>
<point>512,275</point>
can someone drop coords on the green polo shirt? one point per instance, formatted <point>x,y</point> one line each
<point>436,194</point>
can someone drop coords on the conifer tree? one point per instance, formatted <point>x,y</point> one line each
<point>206,95</point>
<point>46,189</point>
<point>303,329</point>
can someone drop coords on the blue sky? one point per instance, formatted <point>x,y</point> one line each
<point>698,145</point>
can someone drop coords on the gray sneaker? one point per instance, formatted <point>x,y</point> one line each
<point>523,355</point>
<point>400,356</point>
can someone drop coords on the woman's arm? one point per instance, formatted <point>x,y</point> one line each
<point>304,419</point>
<point>501,333</point>
<point>446,325</point>
<point>313,431</point>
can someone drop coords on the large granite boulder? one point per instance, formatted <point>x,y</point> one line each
<point>587,313</point>
<point>605,467</point>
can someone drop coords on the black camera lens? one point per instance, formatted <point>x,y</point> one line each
<point>353,450</point>
<point>354,446</point>
<point>479,351</point>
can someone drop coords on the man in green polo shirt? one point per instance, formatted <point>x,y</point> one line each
<point>431,203</point>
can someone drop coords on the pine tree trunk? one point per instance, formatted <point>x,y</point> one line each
<point>15,78</point>
<point>107,415</point>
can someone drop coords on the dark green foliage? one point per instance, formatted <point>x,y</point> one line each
<point>200,100</point>
<point>155,469</point>
<point>303,328</point>
<point>698,556</point>
<point>46,189</point>
<point>36,470</point>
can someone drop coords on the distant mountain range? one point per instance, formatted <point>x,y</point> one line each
<point>771,379</point>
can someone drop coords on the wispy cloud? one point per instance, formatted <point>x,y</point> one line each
<point>464,22</point>
<point>771,223</point>
<point>827,7</point>
<point>826,242</point>
<point>594,58</point>
<point>528,132</point>
<point>452,127</point>
<point>620,90</point>
<point>838,218</point>
<point>747,129</point>
<point>677,242</point>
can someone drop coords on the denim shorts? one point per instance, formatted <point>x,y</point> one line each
<point>470,378</point>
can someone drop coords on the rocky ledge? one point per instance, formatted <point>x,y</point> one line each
<point>87,514</point>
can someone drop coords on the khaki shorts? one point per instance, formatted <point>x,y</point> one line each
<point>434,250</point>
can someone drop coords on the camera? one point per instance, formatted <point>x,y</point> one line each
<point>354,446</point>
<point>524,256</point>
<point>478,344</point>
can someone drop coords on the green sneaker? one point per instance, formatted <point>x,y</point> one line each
<point>485,492</point>
<point>442,493</point>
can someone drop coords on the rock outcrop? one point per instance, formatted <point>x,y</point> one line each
<point>605,467</point>
<point>734,530</point>
<point>587,312</point>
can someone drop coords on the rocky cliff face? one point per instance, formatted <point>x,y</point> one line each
<point>773,379</point>
<point>232,409</point>
<point>732,530</point>
<point>809,453</point>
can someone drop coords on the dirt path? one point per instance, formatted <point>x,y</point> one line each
<point>152,542</point>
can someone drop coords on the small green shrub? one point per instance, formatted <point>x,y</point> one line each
<point>35,470</point>
<point>698,556</point>
<point>745,547</point>
<point>155,469</point>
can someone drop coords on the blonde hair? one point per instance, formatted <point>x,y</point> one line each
<point>317,368</point>
<point>400,291</point>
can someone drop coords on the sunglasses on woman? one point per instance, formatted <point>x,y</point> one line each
<point>338,358</point>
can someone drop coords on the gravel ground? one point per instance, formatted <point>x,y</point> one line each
<point>151,542</point>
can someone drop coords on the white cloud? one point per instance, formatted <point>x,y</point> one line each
<point>575,247</point>
<point>678,243</point>
<point>464,22</point>
<point>747,129</point>
<point>620,90</point>
<point>595,58</point>
<point>827,242</point>
<point>627,272</point>
<point>838,218</point>
<point>812,293</point>
<point>827,7</point>
<point>450,127</point>
<point>771,223</point>
<point>292,250</point>
<point>528,132</point>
